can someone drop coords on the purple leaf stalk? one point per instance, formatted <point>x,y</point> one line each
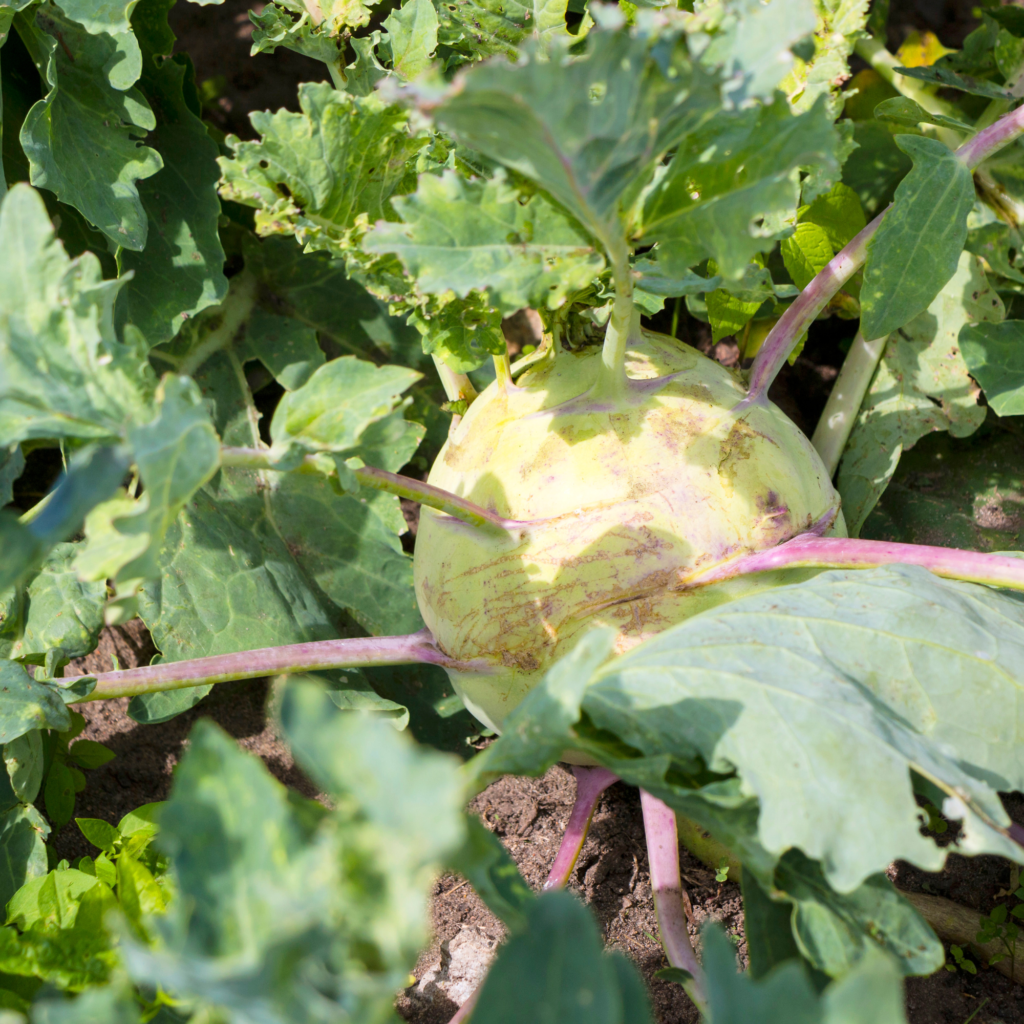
<point>812,300</point>
<point>590,784</point>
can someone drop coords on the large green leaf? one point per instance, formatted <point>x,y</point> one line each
<point>870,994</point>
<point>736,184</point>
<point>111,18</point>
<point>82,138</point>
<point>556,970</point>
<point>180,271</point>
<point>22,848</point>
<point>412,37</point>
<point>312,174</point>
<point>28,705</point>
<point>585,129</point>
<point>64,372</point>
<point>994,355</point>
<point>55,609</point>
<point>824,695</point>
<point>464,235</point>
<point>917,249</point>
<point>922,384</point>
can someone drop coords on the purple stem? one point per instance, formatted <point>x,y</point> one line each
<point>590,784</point>
<point>667,885</point>
<point>267,661</point>
<point>815,297</point>
<point>849,553</point>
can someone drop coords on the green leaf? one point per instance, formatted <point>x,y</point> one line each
<point>750,44</point>
<point>464,235</point>
<point>462,332</point>
<point>22,849</point>
<point>287,348</point>
<point>735,185</point>
<point>838,213</point>
<point>363,74</point>
<point>948,79</point>
<point>994,356</point>
<point>876,166</point>
<point>111,1004</point>
<point>56,609</point>
<point>557,970</point>
<point>408,792</point>
<point>100,833</point>
<point>59,794</point>
<point>903,111</point>
<point>350,690</point>
<point>916,250</point>
<point>728,313</point>
<point>315,291</point>
<point>12,464</point>
<point>870,994</point>
<point>180,271</point>
<point>494,875</point>
<point>585,130</point>
<point>274,27</point>
<point>483,28</point>
<point>535,733</point>
<point>412,37</point>
<point>767,928</point>
<point>922,384</point>
<point>64,940</point>
<point>838,680</point>
<point>125,64</point>
<point>833,931</point>
<point>81,139</point>
<point>90,754</point>
<point>28,705</point>
<point>24,759</point>
<point>358,146</point>
<point>338,402</point>
<point>176,453</point>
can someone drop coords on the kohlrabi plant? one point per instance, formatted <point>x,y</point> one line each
<point>627,557</point>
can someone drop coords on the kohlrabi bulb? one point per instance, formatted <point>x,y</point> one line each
<point>622,501</point>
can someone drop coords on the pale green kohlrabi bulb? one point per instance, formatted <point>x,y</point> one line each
<point>629,498</point>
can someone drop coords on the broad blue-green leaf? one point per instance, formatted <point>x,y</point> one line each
<point>111,17</point>
<point>999,244</point>
<point>363,74</point>
<point>749,42</point>
<point>56,609</point>
<point>63,372</point>
<point>82,138</point>
<point>876,166</point>
<point>917,248</point>
<point>833,931</point>
<point>922,384</point>
<point>994,355</point>
<point>903,111</point>
<point>180,271</point>
<point>482,28</point>
<point>823,696</point>
<point>350,690</point>
<point>110,1004</point>
<point>870,994</point>
<point>26,704</point>
<point>585,129</point>
<point>735,185</point>
<point>767,928</point>
<point>557,970</point>
<point>312,174</point>
<point>411,37</point>
<point>285,346</point>
<point>338,402</point>
<point>465,235</point>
